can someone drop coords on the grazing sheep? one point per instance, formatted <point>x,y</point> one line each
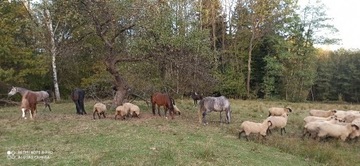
<point>252,127</point>
<point>278,111</point>
<point>278,122</point>
<point>336,130</point>
<point>311,128</point>
<point>121,111</point>
<point>322,113</point>
<point>99,109</point>
<point>132,109</point>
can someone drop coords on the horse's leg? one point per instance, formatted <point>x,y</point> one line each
<point>77,107</point>
<point>153,108</point>
<point>31,114</point>
<point>220,117</point>
<point>158,108</point>
<point>203,117</point>
<point>23,112</point>
<point>82,106</point>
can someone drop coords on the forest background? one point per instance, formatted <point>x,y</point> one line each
<point>249,49</point>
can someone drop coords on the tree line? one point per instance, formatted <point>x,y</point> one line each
<point>245,49</point>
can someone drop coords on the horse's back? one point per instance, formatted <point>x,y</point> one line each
<point>161,99</point>
<point>77,94</point>
<point>216,103</point>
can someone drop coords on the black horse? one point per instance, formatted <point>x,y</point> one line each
<point>78,96</point>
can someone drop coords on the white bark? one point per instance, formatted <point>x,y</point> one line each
<point>53,51</point>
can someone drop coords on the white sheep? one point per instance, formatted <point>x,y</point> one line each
<point>121,111</point>
<point>278,122</point>
<point>252,127</point>
<point>278,111</point>
<point>350,117</point>
<point>336,130</point>
<point>311,128</point>
<point>322,113</point>
<point>99,109</point>
<point>132,109</point>
<point>316,118</point>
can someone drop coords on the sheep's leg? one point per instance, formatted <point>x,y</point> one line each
<point>94,114</point>
<point>98,114</point>
<point>281,130</point>
<point>103,113</point>
<point>240,133</point>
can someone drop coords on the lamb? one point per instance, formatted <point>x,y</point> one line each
<point>99,109</point>
<point>252,127</point>
<point>132,109</point>
<point>336,130</point>
<point>278,122</point>
<point>121,111</point>
<point>278,111</point>
<point>322,113</point>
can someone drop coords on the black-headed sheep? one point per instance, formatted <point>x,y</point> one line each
<point>249,127</point>
<point>132,109</point>
<point>278,111</point>
<point>278,122</point>
<point>121,111</point>
<point>336,130</point>
<point>99,109</point>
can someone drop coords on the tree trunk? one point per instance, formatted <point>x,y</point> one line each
<point>249,65</point>
<point>120,86</point>
<point>53,52</point>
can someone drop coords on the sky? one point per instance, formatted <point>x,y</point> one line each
<point>345,14</point>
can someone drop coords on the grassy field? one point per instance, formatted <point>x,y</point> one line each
<point>62,138</point>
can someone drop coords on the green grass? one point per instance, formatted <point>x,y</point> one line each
<point>79,140</point>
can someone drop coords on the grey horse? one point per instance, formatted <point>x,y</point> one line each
<point>217,104</point>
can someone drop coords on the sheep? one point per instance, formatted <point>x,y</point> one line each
<point>278,122</point>
<point>340,114</point>
<point>252,127</point>
<point>316,118</point>
<point>121,111</point>
<point>350,117</point>
<point>132,109</point>
<point>311,128</point>
<point>336,130</point>
<point>99,109</point>
<point>278,111</point>
<point>322,113</point>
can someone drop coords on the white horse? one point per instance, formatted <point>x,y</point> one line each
<point>40,95</point>
<point>217,104</point>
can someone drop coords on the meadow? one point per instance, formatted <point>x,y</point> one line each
<point>61,137</point>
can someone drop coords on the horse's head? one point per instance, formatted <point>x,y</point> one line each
<point>12,91</point>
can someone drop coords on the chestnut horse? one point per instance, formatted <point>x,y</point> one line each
<point>164,100</point>
<point>40,95</point>
<point>28,103</point>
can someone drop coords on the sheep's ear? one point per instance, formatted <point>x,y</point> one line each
<point>334,111</point>
<point>269,123</point>
<point>356,127</point>
<point>289,109</point>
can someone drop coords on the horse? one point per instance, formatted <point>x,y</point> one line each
<point>195,96</point>
<point>164,100</point>
<point>217,104</point>
<point>40,95</point>
<point>77,97</point>
<point>28,103</point>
